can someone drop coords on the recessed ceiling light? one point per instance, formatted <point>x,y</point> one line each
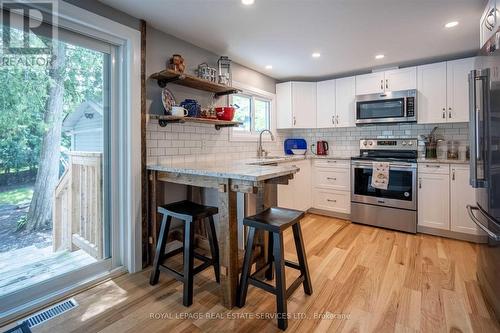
<point>269,67</point>
<point>316,55</point>
<point>379,56</point>
<point>451,24</point>
<point>247,2</point>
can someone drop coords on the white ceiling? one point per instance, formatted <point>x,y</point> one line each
<point>348,34</point>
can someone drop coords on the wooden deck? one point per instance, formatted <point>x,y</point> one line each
<point>365,279</point>
<point>27,266</point>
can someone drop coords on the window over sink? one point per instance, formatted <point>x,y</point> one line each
<point>254,110</point>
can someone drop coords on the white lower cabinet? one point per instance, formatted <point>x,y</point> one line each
<point>434,196</point>
<point>443,194</point>
<point>297,194</point>
<point>332,185</point>
<point>462,194</point>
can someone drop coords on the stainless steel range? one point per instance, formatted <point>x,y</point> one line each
<point>396,206</point>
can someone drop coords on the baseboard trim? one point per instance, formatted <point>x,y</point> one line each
<point>452,234</point>
<point>329,213</point>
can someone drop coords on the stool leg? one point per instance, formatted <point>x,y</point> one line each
<point>188,263</point>
<point>301,254</point>
<point>247,264</point>
<point>279,264</point>
<point>160,249</point>
<point>269,271</point>
<point>214,247</point>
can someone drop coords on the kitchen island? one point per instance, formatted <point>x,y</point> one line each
<point>228,178</point>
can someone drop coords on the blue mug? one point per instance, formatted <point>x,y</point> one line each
<point>192,106</point>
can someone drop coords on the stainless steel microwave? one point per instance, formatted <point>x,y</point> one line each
<point>389,107</point>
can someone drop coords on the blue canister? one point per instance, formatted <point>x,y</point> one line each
<point>192,106</point>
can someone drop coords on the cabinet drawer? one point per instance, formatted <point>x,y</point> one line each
<point>434,168</point>
<point>331,163</point>
<point>338,178</point>
<point>332,200</point>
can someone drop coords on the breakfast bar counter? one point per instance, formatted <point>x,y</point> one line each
<point>228,178</point>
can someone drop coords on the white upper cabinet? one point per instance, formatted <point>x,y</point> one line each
<point>457,92</point>
<point>431,100</point>
<point>325,104</point>
<point>390,80</point>
<point>370,83</point>
<point>284,115</point>
<point>443,91</point>
<point>345,106</point>
<point>296,104</point>
<point>400,79</point>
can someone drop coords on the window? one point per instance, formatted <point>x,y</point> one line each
<point>254,112</point>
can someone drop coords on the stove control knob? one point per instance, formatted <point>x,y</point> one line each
<point>403,143</point>
<point>410,143</point>
<point>364,143</point>
<point>370,143</point>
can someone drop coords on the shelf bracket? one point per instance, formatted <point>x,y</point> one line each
<point>165,122</point>
<point>163,82</point>
<point>219,127</point>
<point>224,93</point>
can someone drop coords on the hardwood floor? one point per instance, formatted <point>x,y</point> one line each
<point>365,280</point>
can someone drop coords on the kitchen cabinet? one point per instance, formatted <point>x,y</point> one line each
<point>390,80</point>
<point>296,105</point>
<point>461,195</point>
<point>457,91</point>
<point>297,194</point>
<point>345,106</point>
<point>332,185</point>
<point>443,91</point>
<point>431,101</point>
<point>335,103</point>
<point>434,196</point>
<point>325,104</point>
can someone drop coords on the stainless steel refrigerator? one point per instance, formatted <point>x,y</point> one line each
<point>484,133</point>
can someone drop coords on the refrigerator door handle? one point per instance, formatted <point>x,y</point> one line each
<point>475,109</point>
<point>490,233</point>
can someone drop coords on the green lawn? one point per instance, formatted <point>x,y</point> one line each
<point>17,196</point>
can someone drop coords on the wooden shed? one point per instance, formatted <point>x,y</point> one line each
<point>85,126</point>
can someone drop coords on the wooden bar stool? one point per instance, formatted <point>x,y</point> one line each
<point>275,221</point>
<point>189,212</point>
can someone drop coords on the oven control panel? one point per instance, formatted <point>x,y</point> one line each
<point>388,144</point>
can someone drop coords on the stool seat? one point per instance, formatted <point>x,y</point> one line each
<point>187,210</point>
<point>274,219</point>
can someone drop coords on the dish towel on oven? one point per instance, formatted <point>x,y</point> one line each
<point>380,175</point>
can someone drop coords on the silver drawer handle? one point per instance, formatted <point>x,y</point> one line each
<point>331,178</point>
<point>329,161</point>
<point>330,200</point>
<point>432,166</point>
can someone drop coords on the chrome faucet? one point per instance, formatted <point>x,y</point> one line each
<point>260,150</point>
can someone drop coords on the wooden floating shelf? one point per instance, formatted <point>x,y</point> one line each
<point>164,120</point>
<point>191,81</point>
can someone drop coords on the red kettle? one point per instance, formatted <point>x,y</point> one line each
<point>321,148</point>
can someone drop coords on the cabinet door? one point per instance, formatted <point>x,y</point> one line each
<point>284,114</point>
<point>400,79</point>
<point>431,101</point>
<point>304,104</point>
<point>434,200</point>
<point>297,194</point>
<point>345,106</point>
<point>370,83</point>
<point>458,89</point>
<point>325,104</point>
<point>462,194</point>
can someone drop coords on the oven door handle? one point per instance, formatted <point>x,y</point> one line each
<point>473,217</point>
<point>391,166</point>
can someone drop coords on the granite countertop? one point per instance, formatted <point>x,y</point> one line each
<point>441,160</point>
<point>242,170</point>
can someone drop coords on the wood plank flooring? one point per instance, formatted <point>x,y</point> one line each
<point>365,280</point>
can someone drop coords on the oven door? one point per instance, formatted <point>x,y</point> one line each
<point>401,192</point>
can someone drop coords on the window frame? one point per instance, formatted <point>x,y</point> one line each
<point>254,94</point>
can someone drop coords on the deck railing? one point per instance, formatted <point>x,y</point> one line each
<point>77,212</point>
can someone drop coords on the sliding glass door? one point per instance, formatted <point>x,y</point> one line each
<point>55,115</point>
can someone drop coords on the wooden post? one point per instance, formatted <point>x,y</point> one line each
<point>155,198</point>
<point>228,243</point>
<point>144,175</point>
